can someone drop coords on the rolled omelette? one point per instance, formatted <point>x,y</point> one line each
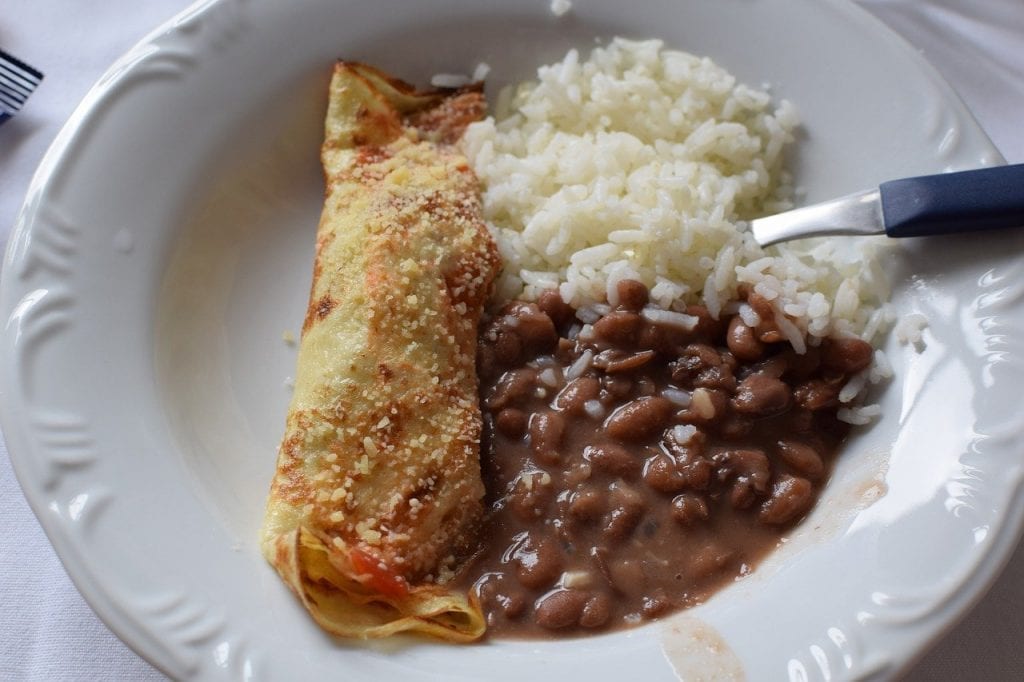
<point>378,488</point>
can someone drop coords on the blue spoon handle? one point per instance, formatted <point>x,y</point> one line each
<point>968,201</point>
<point>965,202</point>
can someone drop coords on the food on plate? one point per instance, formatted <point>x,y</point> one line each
<point>663,397</point>
<point>378,488</point>
<point>638,462</point>
<point>642,163</point>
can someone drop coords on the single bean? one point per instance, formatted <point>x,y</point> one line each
<point>847,355</point>
<point>513,385</point>
<point>627,511</point>
<point>653,605</point>
<point>627,363</point>
<point>817,394</point>
<point>746,465</point>
<point>803,365</point>
<point>560,609</point>
<point>529,498</point>
<point>507,347</point>
<point>707,326</point>
<point>639,419</point>
<point>791,497</point>
<point>718,377</point>
<point>596,611</point>
<point>761,395</point>
<point>742,342</point>
<point>546,431</point>
<point>511,422</point>
<point>617,386</point>
<point>689,509</point>
<point>694,359</point>
<point>633,295</point>
<point>662,474</point>
<point>560,312</point>
<point>620,327</point>
<point>706,405</point>
<point>708,560</point>
<point>535,329</point>
<point>694,467</point>
<point>627,576</point>
<point>538,562</point>
<point>612,459</point>
<point>576,393</point>
<point>513,605</point>
<point>586,505</point>
<point>801,457</point>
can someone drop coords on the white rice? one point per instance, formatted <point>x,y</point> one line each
<point>642,162</point>
<point>560,7</point>
<point>910,328</point>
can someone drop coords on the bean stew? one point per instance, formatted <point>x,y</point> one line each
<point>636,460</point>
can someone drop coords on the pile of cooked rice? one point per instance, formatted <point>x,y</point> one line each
<point>644,163</point>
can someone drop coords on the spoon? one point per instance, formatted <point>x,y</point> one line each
<point>947,203</point>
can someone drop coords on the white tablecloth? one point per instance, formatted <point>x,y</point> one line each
<point>47,632</point>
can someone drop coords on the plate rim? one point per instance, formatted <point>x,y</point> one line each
<point>129,627</point>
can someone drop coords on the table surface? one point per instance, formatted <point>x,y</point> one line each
<point>47,632</point>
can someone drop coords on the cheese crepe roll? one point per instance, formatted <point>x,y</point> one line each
<point>378,489</point>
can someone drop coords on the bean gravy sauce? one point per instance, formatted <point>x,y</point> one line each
<point>635,465</point>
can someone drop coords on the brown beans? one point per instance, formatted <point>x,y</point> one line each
<point>513,386</point>
<point>507,348</point>
<point>688,509</point>
<point>627,363</point>
<point>560,312</point>
<point>620,328</point>
<point>627,511</point>
<point>742,342</point>
<point>610,501</point>
<point>587,505</point>
<point>612,459</point>
<point>707,326</point>
<point>511,422</point>
<point>546,431</point>
<point>661,473</point>
<point>538,563</point>
<point>640,419</point>
<point>791,497</point>
<point>560,609</point>
<point>596,611</point>
<point>627,576</point>
<point>735,427</point>
<point>617,386</point>
<point>655,604</point>
<point>709,560</point>
<point>817,394</point>
<point>633,295</point>
<point>706,405</point>
<point>846,355</point>
<point>530,497</point>
<point>803,365</point>
<point>576,393</point>
<point>801,457</point>
<point>761,395</point>
<point>512,605</point>
<point>747,465</point>
<point>535,329</point>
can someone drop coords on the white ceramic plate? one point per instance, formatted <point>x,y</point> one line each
<point>166,245</point>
